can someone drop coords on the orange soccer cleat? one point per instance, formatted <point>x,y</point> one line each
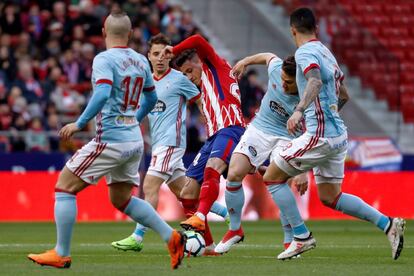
<point>176,248</point>
<point>194,223</point>
<point>51,258</point>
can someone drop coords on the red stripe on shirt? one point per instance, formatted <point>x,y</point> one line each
<point>104,81</point>
<point>311,66</point>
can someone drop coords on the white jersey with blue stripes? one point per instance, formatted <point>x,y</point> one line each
<point>167,119</point>
<point>321,117</point>
<point>129,74</point>
<point>276,106</point>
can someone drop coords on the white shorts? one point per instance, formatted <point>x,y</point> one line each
<point>167,163</point>
<point>326,156</point>
<point>257,146</point>
<point>119,162</point>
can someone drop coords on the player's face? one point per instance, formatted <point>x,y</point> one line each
<point>154,56</point>
<point>192,70</point>
<point>289,84</point>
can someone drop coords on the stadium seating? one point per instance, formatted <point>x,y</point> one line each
<point>374,38</point>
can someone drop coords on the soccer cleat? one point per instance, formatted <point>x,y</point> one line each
<point>230,239</point>
<point>395,235</point>
<point>50,258</point>
<point>209,251</point>
<point>176,246</point>
<point>129,243</point>
<point>286,246</point>
<point>194,223</point>
<point>227,219</point>
<point>298,246</point>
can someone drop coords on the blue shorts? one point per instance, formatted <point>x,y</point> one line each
<point>220,145</point>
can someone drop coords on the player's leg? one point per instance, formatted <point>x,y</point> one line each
<point>328,177</point>
<point>287,230</point>
<point>82,168</point>
<point>142,212</point>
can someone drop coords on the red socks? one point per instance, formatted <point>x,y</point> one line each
<point>209,190</point>
<point>189,206</point>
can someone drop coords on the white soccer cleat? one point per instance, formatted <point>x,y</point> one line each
<point>298,246</point>
<point>230,239</point>
<point>395,235</point>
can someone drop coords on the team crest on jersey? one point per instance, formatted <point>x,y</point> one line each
<point>253,151</point>
<point>160,106</point>
<point>278,108</point>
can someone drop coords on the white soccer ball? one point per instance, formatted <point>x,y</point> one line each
<point>195,244</point>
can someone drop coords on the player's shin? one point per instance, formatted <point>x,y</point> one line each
<point>189,206</point>
<point>209,191</point>
<point>356,207</point>
<point>219,209</point>
<point>142,212</point>
<point>234,200</point>
<point>65,216</point>
<point>283,197</point>
<point>287,230</point>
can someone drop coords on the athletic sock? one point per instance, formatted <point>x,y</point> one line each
<point>142,212</point>
<point>234,195</point>
<point>356,207</point>
<point>139,232</point>
<point>65,217</point>
<point>208,237</point>
<point>209,190</point>
<point>219,209</point>
<point>283,197</point>
<point>287,229</point>
<point>189,206</point>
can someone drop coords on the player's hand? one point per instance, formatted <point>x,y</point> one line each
<point>293,124</point>
<point>301,183</point>
<point>167,52</point>
<point>239,69</point>
<point>67,131</point>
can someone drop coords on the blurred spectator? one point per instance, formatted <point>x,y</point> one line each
<point>53,126</point>
<point>251,93</point>
<point>36,139</point>
<point>9,20</point>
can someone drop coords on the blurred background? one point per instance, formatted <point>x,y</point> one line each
<point>46,53</point>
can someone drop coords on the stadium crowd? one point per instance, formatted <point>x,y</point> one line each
<point>46,53</point>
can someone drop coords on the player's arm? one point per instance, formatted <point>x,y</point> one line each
<point>343,96</point>
<point>312,90</point>
<point>262,58</point>
<point>197,42</point>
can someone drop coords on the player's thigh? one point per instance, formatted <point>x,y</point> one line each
<point>239,167</point>
<point>191,189</point>
<point>196,168</point>
<point>177,184</point>
<point>68,182</point>
<point>152,185</point>
<point>275,174</point>
<point>120,193</point>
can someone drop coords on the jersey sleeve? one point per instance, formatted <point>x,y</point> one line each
<point>204,49</point>
<point>189,90</point>
<point>306,60</point>
<point>102,70</point>
<point>148,81</point>
<point>274,64</point>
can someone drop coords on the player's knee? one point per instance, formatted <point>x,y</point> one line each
<point>327,201</point>
<point>235,175</point>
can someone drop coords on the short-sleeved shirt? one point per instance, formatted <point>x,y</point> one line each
<point>167,119</point>
<point>321,117</point>
<point>129,74</point>
<point>276,106</point>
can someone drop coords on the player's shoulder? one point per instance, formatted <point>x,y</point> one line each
<point>178,75</point>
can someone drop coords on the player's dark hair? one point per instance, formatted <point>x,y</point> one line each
<point>303,20</point>
<point>159,39</point>
<point>289,66</point>
<point>184,56</point>
<point>118,13</point>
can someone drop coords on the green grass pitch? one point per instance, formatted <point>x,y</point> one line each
<point>343,248</point>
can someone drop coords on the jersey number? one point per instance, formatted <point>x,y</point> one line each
<point>131,98</point>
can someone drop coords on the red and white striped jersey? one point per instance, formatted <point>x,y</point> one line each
<point>219,89</point>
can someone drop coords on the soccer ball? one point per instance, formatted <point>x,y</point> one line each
<point>195,244</point>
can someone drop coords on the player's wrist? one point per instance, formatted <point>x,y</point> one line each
<point>299,109</point>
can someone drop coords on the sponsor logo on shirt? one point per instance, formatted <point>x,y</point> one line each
<point>252,151</point>
<point>160,106</point>
<point>125,120</point>
<point>278,108</point>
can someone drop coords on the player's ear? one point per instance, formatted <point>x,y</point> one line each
<point>293,31</point>
<point>103,32</point>
<point>130,34</point>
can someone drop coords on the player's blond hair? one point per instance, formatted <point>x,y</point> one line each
<point>118,24</point>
